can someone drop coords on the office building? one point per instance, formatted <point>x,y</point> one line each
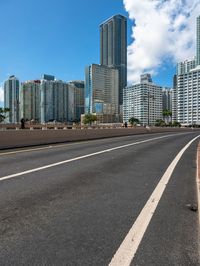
<point>11,99</point>
<point>143,101</point>
<point>113,48</point>
<point>30,100</point>
<point>101,95</point>
<point>77,88</point>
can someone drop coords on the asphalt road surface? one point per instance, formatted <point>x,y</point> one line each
<point>84,203</point>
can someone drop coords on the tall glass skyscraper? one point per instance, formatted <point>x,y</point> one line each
<point>198,41</point>
<point>113,45</point>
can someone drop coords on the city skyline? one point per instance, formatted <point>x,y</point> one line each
<point>53,44</point>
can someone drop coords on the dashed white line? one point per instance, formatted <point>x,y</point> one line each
<point>128,248</point>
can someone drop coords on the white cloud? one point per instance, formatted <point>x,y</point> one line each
<point>164,29</point>
<point>1,94</point>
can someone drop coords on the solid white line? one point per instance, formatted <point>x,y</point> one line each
<point>80,157</point>
<point>128,248</point>
<point>198,184</point>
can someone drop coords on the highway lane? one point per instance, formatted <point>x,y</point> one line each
<point>79,212</point>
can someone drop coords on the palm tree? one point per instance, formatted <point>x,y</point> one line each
<point>167,114</point>
<point>3,112</point>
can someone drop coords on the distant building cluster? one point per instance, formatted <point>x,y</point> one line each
<point>105,93</point>
<point>44,100</point>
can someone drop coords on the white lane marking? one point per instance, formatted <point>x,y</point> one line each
<point>79,158</point>
<point>129,246</point>
<point>198,182</point>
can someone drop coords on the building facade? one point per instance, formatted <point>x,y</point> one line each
<point>198,42</point>
<point>186,91</point>
<point>113,48</point>
<point>101,95</point>
<point>78,89</point>
<point>167,99</point>
<point>186,66</point>
<point>54,101</point>
<point>143,101</point>
<point>30,100</point>
<point>188,97</point>
<point>11,99</point>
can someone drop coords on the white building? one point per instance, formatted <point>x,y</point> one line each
<point>186,93</point>
<point>143,101</point>
<point>188,97</point>
<point>11,99</point>
<point>54,101</point>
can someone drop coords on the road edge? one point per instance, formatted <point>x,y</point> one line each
<point>198,187</point>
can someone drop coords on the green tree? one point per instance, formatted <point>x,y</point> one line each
<point>3,112</point>
<point>89,118</point>
<point>167,114</point>
<point>160,123</point>
<point>176,124</point>
<point>134,121</point>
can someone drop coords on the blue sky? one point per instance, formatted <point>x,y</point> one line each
<point>58,37</point>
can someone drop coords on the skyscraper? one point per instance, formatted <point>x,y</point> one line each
<point>101,95</point>
<point>198,42</point>
<point>54,101</point>
<point>11,99</point>
<point>113,48</point>
<point>186,99</point>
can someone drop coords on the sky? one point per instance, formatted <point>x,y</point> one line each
<point>62,37</point>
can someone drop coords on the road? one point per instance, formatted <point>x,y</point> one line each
<point>74,204</point>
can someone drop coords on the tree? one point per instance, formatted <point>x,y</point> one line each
<point>3,112</point>
<point>167,114</point>
<point>160,123</point>
<point>134,121</point>
<point>89,118</point>
<point>176,124</point>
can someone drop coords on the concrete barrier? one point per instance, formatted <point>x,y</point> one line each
<point>24,138</point>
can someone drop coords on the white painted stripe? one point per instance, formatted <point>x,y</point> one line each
<point>80,157</point>
<point>198,183</point>
<point>128,248</point>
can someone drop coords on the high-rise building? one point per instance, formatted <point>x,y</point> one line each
<point>167,99</point>
<point>54,101</point>
<point>143,101</point>
<point>113,48</point>
<point>185,66</point>
<point>77,87</point>
<point>198,42</point>
<point>186,99</point>
<point>11,99</point>
<point>101,95</point>
<point>174,99</point>
<point>30,100</point>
